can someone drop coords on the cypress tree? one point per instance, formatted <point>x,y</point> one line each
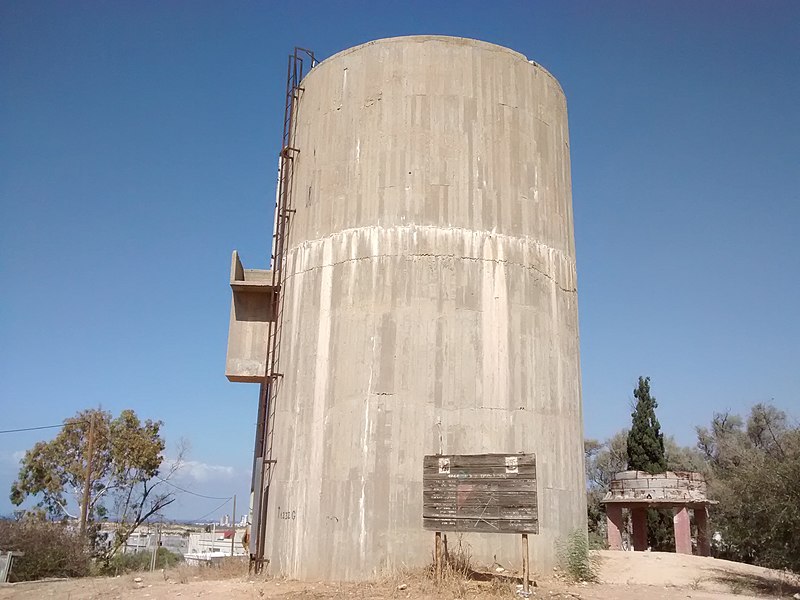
<point>645,440</point>
<point>646,453</point>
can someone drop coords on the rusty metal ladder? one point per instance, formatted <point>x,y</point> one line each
<point>263,461</point>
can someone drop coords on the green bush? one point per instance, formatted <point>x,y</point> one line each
<point>51,549</point>
<point>140,561</point>
<point>597,540</point>
<point>755,476</point>
<point>577,560</point>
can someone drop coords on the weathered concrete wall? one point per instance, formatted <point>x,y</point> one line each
<point>430,302</point>
<point>668,486</point>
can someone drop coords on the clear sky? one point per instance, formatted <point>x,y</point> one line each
<point>137,148</point>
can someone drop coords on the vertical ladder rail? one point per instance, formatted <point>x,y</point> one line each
<point>263,463</point>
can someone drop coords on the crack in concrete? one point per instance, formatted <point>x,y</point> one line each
<point>413,230</point>
<point>505,262</point>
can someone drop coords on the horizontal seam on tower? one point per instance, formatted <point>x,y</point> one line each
<point>414,228</point>
<point>421,255</point>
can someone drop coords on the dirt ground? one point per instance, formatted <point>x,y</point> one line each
<point>623,576</point>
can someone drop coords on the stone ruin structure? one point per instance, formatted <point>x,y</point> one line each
<point>679,492</point>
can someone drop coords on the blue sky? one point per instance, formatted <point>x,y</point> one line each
<point>137,149</point>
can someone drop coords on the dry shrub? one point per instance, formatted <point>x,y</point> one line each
<point>458,576</point>
<point>183,573</point>
<point>229,567</point>
<point>51,549</point>
<point>458,561</point>
<point>456,582</point>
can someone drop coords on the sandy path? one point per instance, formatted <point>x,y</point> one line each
<point>624,576</point>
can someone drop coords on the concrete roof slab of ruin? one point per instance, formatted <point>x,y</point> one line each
<point>660,490</point>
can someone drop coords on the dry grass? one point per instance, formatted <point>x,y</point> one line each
<point>459,579</point>
<point>456,581</point>
<point>227,568</point>
<point>626,576</point>
<point>785,584</point>
<point>422,583</point>
<point>695,583</point>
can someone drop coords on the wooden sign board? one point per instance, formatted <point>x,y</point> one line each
<point>490,493</point>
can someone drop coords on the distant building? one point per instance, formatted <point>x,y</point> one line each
<point>202,545</point>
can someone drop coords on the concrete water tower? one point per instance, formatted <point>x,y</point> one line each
<point>422,300</point>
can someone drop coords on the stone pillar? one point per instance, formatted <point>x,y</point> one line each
<point>614,526</point>
<point>703,536</point>
<point>683,532</point>
<point>639,519</point>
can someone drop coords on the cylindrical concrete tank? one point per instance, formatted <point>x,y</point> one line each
<point>429,305</point>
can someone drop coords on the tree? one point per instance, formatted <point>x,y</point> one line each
<point>124,482</point>
<point>645,440</point>
<point>683,458</point>
<point>755,476</point>
<point>603,460</point>
<point>646,453</point>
